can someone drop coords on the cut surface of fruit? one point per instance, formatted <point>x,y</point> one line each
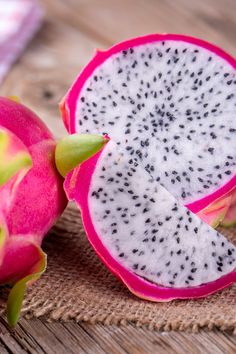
<point>141,232</point>
<point>170,100</point>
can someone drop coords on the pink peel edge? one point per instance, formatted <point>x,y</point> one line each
<point>137,285</point>
<point>68,103</point>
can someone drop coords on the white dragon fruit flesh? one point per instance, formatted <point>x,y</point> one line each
<point>171,101</point>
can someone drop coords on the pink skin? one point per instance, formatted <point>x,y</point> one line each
<point>82,176</point>
<point>69,103</point>
<point>37,200</point>
<point>215,213</point>
<point>22,122</point>
<point>230,217</point>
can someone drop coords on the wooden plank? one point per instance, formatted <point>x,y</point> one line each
<point>207,19</point>
<point>104,336</point>
<point>36,336</point>
<point>140,340</point>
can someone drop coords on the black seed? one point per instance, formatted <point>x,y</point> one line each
<point>211,150</point>
<point>193,270</point>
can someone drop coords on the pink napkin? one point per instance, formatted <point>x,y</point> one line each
<point>19,21</point>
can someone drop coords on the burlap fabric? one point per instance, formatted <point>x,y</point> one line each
<point>78,286</point>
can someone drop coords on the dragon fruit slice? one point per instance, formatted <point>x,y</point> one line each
<point>32,198</point>
<point>170,100</point>
<point>158,248</point>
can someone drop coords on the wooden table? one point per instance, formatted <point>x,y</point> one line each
<point>71,32</point>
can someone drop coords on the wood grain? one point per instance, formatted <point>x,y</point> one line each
<point>36,336</point>
<point>71,32</point>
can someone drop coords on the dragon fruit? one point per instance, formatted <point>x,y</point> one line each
<point>170,100</point>
<point>167,103</point>
<point>32,198</point>
<point>156,246</point>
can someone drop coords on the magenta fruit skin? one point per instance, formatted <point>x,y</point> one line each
<point>36,201</point>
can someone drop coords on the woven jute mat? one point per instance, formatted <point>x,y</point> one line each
<point>78,286</point>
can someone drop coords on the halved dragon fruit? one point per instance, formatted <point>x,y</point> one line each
<point>156,246</point>
<point>31,195</point>
<point>170,101</point>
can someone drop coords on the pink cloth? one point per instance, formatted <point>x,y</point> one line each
<point>19,21</point>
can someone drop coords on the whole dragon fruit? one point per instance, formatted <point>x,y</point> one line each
<point>32,198</point>
<point>170,100</point>
<point>168,104</point>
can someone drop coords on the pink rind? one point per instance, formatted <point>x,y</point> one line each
<point>137,285</point>
<point>69,103</point>
<point>230,217</point>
